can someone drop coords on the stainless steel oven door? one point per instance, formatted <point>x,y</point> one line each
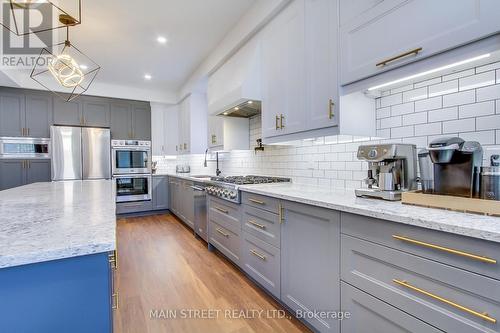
<point>24,148</point>
<point>133,187</point>
<point>131,160</point>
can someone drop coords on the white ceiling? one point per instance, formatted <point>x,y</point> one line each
<point>121,37</point>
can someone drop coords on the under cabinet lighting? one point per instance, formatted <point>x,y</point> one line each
<point>148,76</point>
<point>435,70</point>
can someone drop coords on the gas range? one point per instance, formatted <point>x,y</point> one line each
<point>227,188</point>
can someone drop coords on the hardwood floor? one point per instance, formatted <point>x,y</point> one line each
<point>163,267</point>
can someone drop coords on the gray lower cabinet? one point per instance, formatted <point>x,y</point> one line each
<point>182,200</point>
<point>160,192</point>
<point>310,260</point>
<point>368,314</point>
<point>15,172</point>
<point>173,184</point>
<point>133,207</point>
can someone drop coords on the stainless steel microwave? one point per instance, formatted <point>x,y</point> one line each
<point>131,157</point>
<point>31,148</point>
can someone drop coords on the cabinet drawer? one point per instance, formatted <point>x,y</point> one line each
<point>443,296</point>
<point>225,214</point>
<point>368,314</point>
<point>260,201</point>
<point>262,224</point>
<point>444,247</point>
<point>225,240</point>
<point>262,262</point>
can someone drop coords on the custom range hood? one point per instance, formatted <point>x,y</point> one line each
<point>234,89</point>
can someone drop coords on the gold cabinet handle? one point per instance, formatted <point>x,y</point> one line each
<point>445,249</point>
<point>281,121</point>
<point>331,104</point>
<point>28,131</point>
<point>22,131</point>
<point>222,210</point>
<point>481,315</point>
<point>115,301</point>
<point>258,225</point>
<point>280,213</point>
<point>185,146</point>
<point>277,122</point>
<point>256,201</point>
<point>258,255</point>
<point>402,55</point>
<point>221,232</point>
<point>112,260</point>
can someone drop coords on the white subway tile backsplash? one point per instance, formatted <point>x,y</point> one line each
<point>391,100</point>
<point>415,94</point>
<point>484,137</point>
<point>443,114</point>
<point>488,93</point>
<point>458,75</point>
<point>488,122</point>
<point>476,109</point>
<point>459,98</point>
<point>447,87</point>
<point>427,82</point>
<point>390,122</point>
<point>497,106</point>
<point>477,81</point>
<point>384,133</point>
<point>401,89</point>
<point>429,104</point>
<point>488,67</point>
<point>401,132</point>
<point>383,112</point>
<point>415,118</point>
<point>498,137</point>
<point>405,108</point>
<point>419,141</point>
<point>462,125</point>
<point>428,129</point>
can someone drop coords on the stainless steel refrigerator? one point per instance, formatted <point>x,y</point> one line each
<point>80,153</point>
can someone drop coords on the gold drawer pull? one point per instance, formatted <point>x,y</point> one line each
<point>222,232</point>
<point>258,225</point>
<point>445,249</point>
<point>277,120</point>
<point>402,55</point>
<point>115,301</point>
<point>331,104</point>
<point>280,213</point>
<point>483,315</point>
<point>221,210</point>
<point>257,254</point>
<point>256,201</point>
<point>112,260</point>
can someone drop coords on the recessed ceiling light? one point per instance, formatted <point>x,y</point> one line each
<point>225,113</point>
<point>236,108</point>
<point>148,76</point>
<point>84,67</point>
<point>161,40</point>
<point>250,102</point>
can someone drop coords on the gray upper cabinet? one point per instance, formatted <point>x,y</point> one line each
<point>11,173</point>
<point>68,113</point>
<point>121,121</point>
<point>310,259</point>
<point>141,116</point>
<point>96,112</point>
<point>12,114</point>
<point>38,115</point>
<point>160,192</point>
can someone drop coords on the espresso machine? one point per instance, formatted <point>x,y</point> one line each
<point>457,166</point>
<point>392,169</point>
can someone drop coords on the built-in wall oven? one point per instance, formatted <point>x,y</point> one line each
<point>133,187</point>
<point>131,157</point>
<point>29,148</point>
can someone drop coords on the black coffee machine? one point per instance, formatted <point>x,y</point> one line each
<point>457,165</point>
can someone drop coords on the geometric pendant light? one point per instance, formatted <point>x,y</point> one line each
<point>63,67</point>
<point>23,17</point>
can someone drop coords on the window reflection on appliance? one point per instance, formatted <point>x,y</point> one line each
<point>129,159</point>
<point>131,186</point>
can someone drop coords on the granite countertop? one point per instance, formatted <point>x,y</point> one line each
<point>48,221</point>
<point>473,225</point>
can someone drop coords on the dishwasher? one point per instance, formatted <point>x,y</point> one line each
<point>200,211</point>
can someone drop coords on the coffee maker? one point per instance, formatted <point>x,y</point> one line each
<point>392,169</point>
<point>457,165</point>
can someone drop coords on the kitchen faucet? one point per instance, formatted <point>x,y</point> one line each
<point>217,171</point>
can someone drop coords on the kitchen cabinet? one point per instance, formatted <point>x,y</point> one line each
<point>215,132</point>
<point>228,133</point>
<point>284,72</point>
<point>25,113</point>
<point>173,194</point>
<point>95,112</point>
<point>15,172</point>
<point>182,200</point>
<point>310,260</point>
<point>160,192</point>
<point>56,293</point>
<point>371,34</point>
<point>130,120</point>
<point>164,129</point>
<point>68,113</point>
<point>193,120</point>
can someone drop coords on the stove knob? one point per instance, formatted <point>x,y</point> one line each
<point>225,193</point>
<point>232,195</point>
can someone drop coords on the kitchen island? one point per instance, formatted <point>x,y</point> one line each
<point>57,257</point>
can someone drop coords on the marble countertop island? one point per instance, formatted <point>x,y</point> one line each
<point>48,221</point>
<point>472,225</point>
